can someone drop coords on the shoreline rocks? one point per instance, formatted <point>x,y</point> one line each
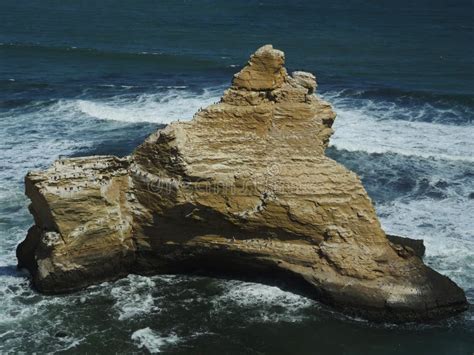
<point>242,190</point>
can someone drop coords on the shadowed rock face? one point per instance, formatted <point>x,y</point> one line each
<point>242,190</point>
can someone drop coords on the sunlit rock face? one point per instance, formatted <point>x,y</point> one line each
<point>243,190</point>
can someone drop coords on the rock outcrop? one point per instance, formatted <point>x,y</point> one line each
<point>244,190</point>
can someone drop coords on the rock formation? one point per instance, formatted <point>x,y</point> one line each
<point>244,190</point>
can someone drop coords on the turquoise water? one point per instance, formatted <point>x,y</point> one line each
<point>96,77</point>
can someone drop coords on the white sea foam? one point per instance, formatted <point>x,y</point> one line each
<point>248,294</point>
<point>160,107</point>
<point>152,341</point>
<point>32,140</point>
<point>268,303</point>
<point>69,343</point>
<point>133,296</point>
<point>445,226</point>
<point>377,128</point>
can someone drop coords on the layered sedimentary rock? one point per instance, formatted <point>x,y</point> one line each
<point>244,189</point>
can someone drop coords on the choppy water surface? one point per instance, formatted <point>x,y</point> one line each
<point>80,78</point>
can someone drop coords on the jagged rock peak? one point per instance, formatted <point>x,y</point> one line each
<point>264,71</point>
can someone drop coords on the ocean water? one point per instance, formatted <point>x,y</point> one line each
<point>96,77</point>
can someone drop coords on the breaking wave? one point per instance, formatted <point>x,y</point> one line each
<point>379,127</point>
<point>159,108</point>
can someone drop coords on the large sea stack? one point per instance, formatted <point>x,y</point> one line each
<point>243,190</point>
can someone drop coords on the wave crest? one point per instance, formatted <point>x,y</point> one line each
<point>386,127</point>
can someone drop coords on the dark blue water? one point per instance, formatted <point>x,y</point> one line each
<point>96,77</point>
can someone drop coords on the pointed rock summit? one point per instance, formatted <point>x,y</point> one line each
<point>243,190</point>
<point>264,70</point>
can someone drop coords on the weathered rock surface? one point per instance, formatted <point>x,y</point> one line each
<point>244,190</point>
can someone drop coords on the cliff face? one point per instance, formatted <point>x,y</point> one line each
<point>244,190</point>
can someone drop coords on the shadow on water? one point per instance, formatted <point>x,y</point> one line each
<point>12,271</point>
<point>121,141</point>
